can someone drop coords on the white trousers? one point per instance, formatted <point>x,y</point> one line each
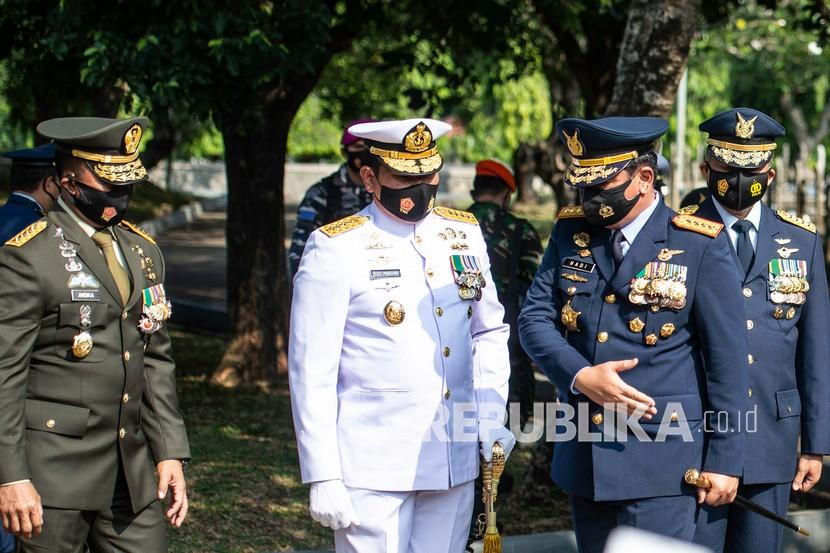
<point>408,522</point>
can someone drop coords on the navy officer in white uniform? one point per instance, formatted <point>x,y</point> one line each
<point>398,359</point>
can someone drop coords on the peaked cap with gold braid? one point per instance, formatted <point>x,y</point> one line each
<point>109,146</point>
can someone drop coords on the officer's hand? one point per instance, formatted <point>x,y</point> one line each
<point>331,506</point>
<point>21,510</point>
<point>171,476</point>
<point>724,489</point>
<point>489,434</point>
<point>602,385</point>
<point>808,474</point>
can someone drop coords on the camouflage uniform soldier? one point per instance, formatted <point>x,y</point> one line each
<point>337,196</point>
<point>515,252</point>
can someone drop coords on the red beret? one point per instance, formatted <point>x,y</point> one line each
<point>493,168</point>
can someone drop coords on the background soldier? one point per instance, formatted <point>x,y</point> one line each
<point>515,251</point>
<point>34,189</point>
<point>337,196</point>
<point>629,308</point>
<point>396,332</point>
<point>781,262</point>
<point>90,433</point>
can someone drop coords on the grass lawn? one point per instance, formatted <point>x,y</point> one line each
<point>245,492</point>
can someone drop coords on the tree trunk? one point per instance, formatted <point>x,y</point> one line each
<point>257,281</point>
<point>653,56</point>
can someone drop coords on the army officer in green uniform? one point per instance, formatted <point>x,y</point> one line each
<point>91,438</point>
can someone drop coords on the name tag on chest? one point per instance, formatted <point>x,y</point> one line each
<point>86,295</point>
<point>579,265</point>
<point>376,274</point>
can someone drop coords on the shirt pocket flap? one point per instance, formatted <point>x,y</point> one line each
<point>58,418</point>
<point>789,403</point>
<point>678,408</point>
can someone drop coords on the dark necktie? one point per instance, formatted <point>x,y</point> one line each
<point>616,247</point>
<point>745,251</point>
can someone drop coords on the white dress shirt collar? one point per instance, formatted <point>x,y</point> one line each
<point>632,229</point>
<point>754,217</point>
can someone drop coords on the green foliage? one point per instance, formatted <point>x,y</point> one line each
<point>314,136</point>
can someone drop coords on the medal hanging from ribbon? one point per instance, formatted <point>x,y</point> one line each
<point>155,310</point>
<point>468,276</point>
<point>660,284</point>
<point>788,281</point>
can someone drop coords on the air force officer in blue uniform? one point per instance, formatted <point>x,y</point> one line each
<point>640,307</point>
<point>34,189</point>
<point>781,262</point>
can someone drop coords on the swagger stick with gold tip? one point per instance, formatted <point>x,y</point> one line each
<point>491,473</point>
<point>696,479</point>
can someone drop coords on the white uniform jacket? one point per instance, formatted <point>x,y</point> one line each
<point>394,407</point>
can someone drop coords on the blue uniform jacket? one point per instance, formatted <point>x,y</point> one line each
<point>17,214</point>
<point>710,329</point>
<point>789,377</point>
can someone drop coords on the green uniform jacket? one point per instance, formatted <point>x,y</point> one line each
<point>65,422</point>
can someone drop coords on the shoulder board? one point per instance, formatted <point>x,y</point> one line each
<point>797,221</point>
<point>570,212</point>
<point>343,225</point>
<point>138,231</point>
<point>698,224</point>
<point>455,215</point>
<point>27,234</point>
<point>688,210</point>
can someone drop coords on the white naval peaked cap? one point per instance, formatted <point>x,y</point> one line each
<point>393,132</point>
<point>406,147</point>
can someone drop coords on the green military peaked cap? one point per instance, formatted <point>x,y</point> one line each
<point>109,146</point>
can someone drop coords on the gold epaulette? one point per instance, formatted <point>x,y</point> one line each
<point>343,225</point>
<point>455,215</point>
<point>797,221</point>
<point>688,210</point>
<point>570,212</point>
<point>138,231</point>
<point>698,224</point>
<point>27,234</point>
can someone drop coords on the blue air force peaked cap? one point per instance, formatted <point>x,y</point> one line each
<point>41,156</point>
<point>601,148</point>
<point>742,137</point>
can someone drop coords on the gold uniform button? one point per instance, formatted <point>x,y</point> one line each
<point>439,311</point>
<point>126,398</point>
<point>749,325</point>
<point>790,313</point>
<point>602,337</point>
<point>750,359</point>
<point>446,352</point>
<point>778,312</point>
<point>430,273</point>
<point>122,433</point>
<point>651,339</point>
<point>674,417</point>
<point>610,298</point>
<point>666,330</point>
<point>571,290</point>
<point>50,423</point>
<point>127,356</point>
<point>747,293</point>
<point>655,308</point>
<point>447,394</point>
<point>750,391</point>
<point>596,418</point>
<point>418,239</point>
<point>124,315</point>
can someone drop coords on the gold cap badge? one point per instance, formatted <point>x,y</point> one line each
<point>574,143</point>
<point>132,138</point>
<point>418,139</point>
<point>745,128</point>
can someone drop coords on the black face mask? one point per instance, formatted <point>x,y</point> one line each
<point>411,203</point>
<point>737,190</point>
<point>104,209</point>
<point>604,208</point>
<point>361,156</point>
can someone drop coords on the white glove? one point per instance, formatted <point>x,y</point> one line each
<point>490,432</point>
<point>331,506</point>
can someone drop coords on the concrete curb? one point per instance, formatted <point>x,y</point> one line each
<point>184,215</point>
